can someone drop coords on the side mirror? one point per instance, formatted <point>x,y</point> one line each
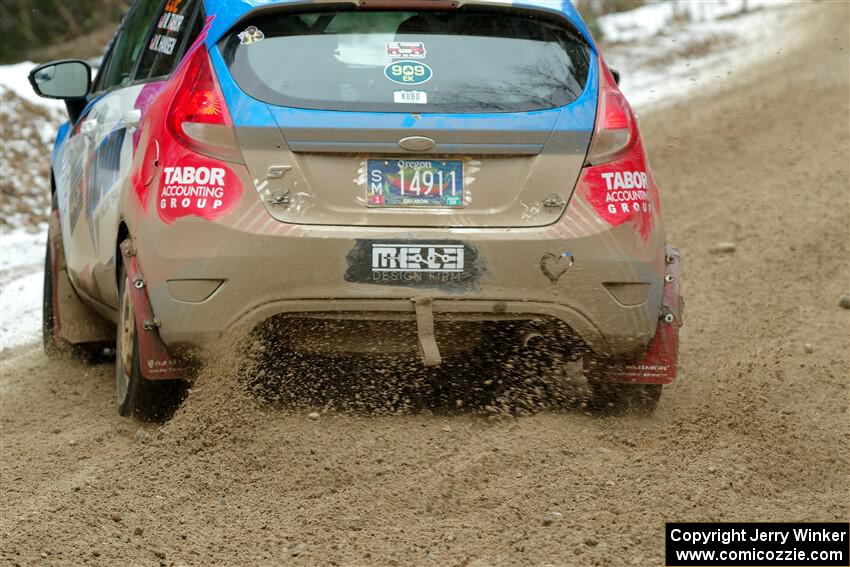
<point>616,74</point>
<point>68,79</point>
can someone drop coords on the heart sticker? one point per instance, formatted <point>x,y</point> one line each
<point>554,266</point>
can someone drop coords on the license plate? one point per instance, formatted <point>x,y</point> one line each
<point>415,183</point>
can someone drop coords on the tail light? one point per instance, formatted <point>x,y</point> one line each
<point>198,116</point>
<point>615,132</point>
<point>616,180</point>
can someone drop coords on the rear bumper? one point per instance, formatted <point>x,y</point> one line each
<point>274,268</point>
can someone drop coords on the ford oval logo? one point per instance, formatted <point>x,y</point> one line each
<point>408,72</point>
<point>416,143</point>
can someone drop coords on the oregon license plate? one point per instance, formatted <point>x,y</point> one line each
<point>414,183</point>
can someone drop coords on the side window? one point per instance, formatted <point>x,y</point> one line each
<point>101,70</point>
<point>178,23</point>
<point>129,44</point>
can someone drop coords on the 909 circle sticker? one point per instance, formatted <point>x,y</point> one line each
<point>406,49</point>
<point>408,72</point>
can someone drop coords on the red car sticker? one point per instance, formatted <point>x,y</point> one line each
<point>406,49</point>
<point>623,190</point>
<point>197,187</point>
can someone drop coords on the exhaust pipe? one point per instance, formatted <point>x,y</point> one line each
<point>531,338</point>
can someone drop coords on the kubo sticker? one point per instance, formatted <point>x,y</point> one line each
<point>406,49</point>
<point>408,73</point>
<point>250,35</point>
<point>410,97</point>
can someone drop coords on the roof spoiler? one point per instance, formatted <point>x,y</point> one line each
<point>408,4</point>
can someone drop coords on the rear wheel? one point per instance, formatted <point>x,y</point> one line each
<point>48,338</point>
<point>150,400</point>
<point>53,346</point>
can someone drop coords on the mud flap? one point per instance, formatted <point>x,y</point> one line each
<point>155,362</point>
<point>428,348</point>
<point>659,364</point>
<point>73,321</point>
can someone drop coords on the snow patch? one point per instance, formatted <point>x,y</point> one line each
<point>21,275</point>
<point>651,19</point>
<point>679,57</point>
<point>28,132</point>
<point>16,79</point>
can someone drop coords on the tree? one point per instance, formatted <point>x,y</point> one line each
<point>27,26</point>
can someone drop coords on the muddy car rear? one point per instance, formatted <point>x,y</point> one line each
<point>412,166</point>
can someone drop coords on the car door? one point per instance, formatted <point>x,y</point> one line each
<point>145,51</point>
<point>95,146</point>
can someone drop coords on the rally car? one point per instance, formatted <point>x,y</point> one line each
<point>420,169</point>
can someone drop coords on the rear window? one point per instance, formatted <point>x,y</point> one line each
<point>398,61</point>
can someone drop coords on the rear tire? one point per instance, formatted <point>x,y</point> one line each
<point>48,339</point>
<point>619,398</point>
<point>53,346</point>
<point>149,400</point>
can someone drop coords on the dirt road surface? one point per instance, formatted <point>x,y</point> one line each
<point>755,429</point>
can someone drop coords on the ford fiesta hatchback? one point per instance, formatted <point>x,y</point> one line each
<point>408,172</point>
